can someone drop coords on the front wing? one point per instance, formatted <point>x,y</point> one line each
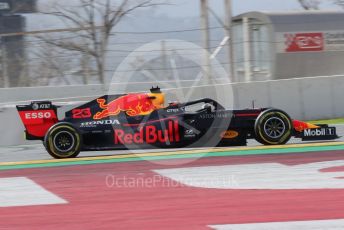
<point>324,132</point>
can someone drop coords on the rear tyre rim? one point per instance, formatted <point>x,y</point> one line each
<point>64,141</point>
<point>274,127</point>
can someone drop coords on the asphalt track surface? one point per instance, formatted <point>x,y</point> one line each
<point>296,186</point>
<point>37,151</point>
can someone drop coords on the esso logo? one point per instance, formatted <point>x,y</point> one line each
<point>38,115</point>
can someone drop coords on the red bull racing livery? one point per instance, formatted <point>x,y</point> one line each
<point>141,120</point>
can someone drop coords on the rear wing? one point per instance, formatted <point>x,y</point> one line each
<point>37,118</point>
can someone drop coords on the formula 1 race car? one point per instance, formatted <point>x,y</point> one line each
<point>140,120</point>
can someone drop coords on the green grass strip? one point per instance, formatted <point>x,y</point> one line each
<point>329,122</point>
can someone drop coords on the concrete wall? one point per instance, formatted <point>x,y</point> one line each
<point>82,92</point>
<point>305,99</point>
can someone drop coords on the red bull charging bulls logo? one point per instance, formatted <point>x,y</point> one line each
<point>149,134</point>
<point>132,105</point>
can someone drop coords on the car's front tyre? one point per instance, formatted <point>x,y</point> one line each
<point>273,127</point>
<point>63,141</point>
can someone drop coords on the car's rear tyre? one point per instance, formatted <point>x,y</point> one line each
<point>273,127</point>
<point>63,141</point>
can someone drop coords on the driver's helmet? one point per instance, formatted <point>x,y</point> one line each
<point>209,107</point>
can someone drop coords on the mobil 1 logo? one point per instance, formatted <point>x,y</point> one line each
<point>319,133</point>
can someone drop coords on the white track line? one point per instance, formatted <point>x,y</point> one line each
<point>21,191</point>
<point>295,225</point>
<point>259,176</point>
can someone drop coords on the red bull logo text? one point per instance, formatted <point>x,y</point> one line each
<point>149,134</point>
<point>132,105</point>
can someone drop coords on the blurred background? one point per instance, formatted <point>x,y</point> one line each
<point>243,54</point>
<point>82,42</point>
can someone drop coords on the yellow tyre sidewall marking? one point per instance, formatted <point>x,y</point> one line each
<point>50,142</point>
<point>285,135</point>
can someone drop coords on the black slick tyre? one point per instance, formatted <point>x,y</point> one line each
<point>63,141</point>
<point>273,127</point>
